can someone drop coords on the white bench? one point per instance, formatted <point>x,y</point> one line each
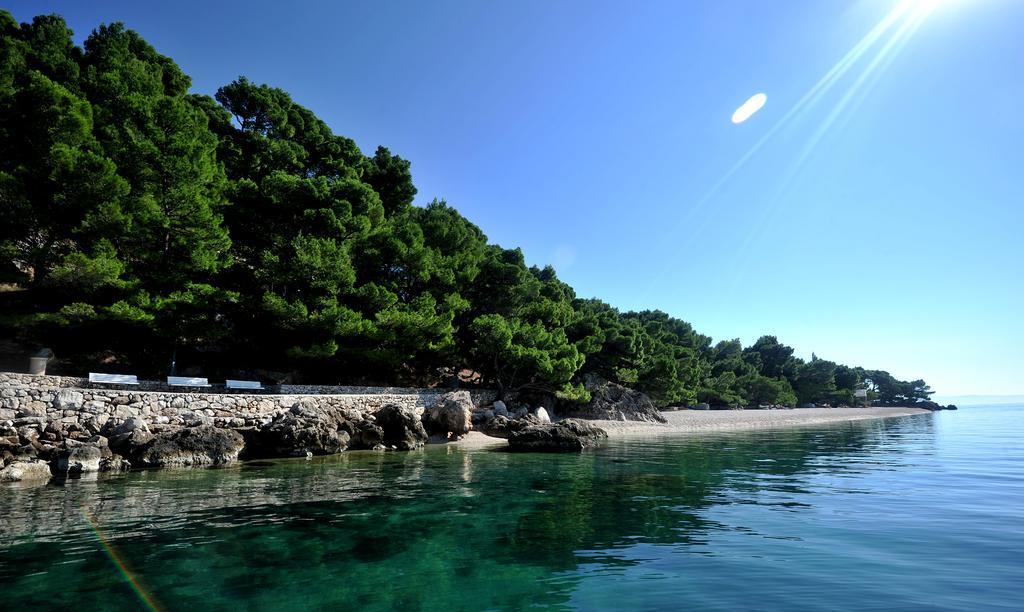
<point>186,381</point>
<point>113,379</point>
<point>253,385</point>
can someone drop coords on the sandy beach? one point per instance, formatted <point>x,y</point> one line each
<point>694,421</point>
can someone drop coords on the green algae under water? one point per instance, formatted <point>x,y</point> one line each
<point>923,512</point>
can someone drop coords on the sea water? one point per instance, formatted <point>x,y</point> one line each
<point>913,513</point>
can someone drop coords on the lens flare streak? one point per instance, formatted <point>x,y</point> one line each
<point>909,14</point>
<point>144,596</point>
<point>882,59</point>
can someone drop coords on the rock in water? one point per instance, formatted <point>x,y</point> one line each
<point>305,429</point>
<point>79,460</point>
<point>451,417</point>
<point>567,436</point>
<point>115,463</point>
<point>18,471</point>
<point>193,446</point>
<point>402,427</point>
<point>129,437</point>
<point>613,402</point>
<point>365,434</point>
<point>502,427</point>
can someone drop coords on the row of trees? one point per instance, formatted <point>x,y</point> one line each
<point>239,233</point>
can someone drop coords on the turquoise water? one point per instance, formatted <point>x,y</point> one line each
<point>914,513</point>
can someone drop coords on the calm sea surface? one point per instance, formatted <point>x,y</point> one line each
<point>914,513</point>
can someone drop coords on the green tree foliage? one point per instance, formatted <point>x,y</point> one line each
<point>892,392</point>
<point>60,194</point>
<point>815,381</point>
<point>516,332</point>
<point>771,358</point>
<point>240,232</point>
<point>762,390</point>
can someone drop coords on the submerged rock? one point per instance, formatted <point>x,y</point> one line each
<point>401,427</point>
<point>192,446</point>
<point>18,471</point>
<point>613,402</point>
<point>451,417</point>
<point>570,435</point>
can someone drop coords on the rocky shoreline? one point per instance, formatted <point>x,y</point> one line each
<point>48,430</point>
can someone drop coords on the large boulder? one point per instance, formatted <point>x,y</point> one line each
<point>18,471</point>
<point>192,446</point>
<point>401,427</point>
<point>365,434</point>
<point>306,429</point>
<point>79,460</point>
<point>502,426</point>
<point>451,417</point>
<point>610,401</point>
<point>362,429</point>
<point>569,435</point>
<point>129,437</point>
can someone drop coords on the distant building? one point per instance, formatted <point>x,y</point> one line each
<point>862,396</point>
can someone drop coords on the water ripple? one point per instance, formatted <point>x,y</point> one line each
<point>904,514</point>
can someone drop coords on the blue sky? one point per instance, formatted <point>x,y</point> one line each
<point>593,134</point>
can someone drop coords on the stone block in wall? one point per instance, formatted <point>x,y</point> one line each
<point>68,399</point>
<point>94,406</point>
<point>34,408</point>
<point>124,412</point>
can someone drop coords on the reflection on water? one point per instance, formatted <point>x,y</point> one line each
<point>869,515</point>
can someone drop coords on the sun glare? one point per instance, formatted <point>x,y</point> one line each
<point>748,108</point>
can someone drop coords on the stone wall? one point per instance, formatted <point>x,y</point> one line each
<point>28,399</point>
<point>61,382</point>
